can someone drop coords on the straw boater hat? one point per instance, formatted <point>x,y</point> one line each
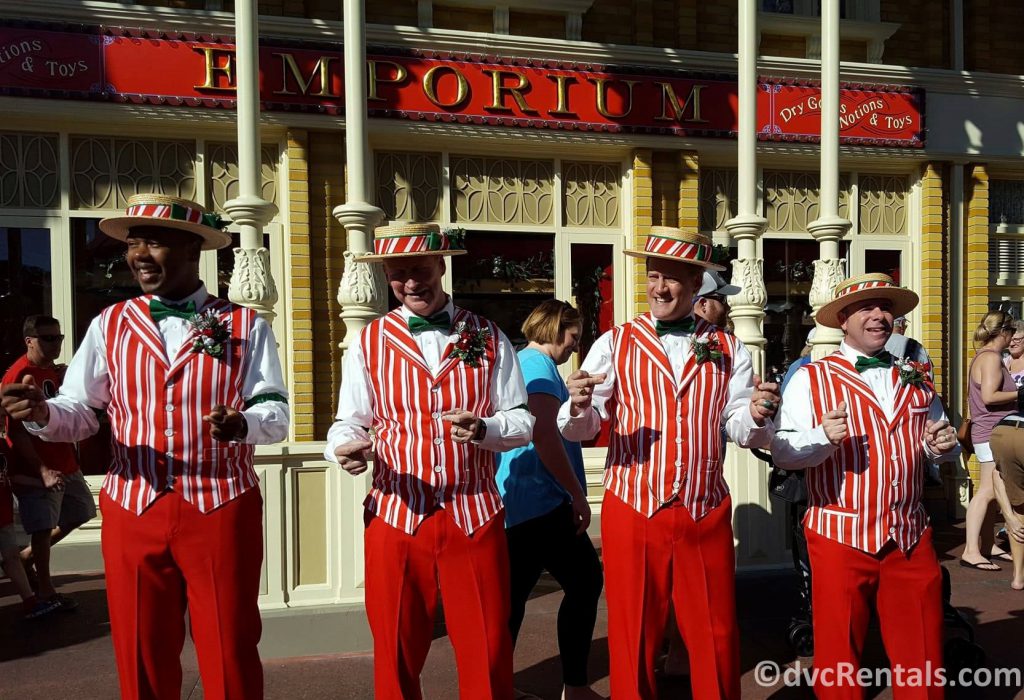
<point>401,239</point>
<point>168,212</point>
<point>872,286</point>
<point>674,244</point>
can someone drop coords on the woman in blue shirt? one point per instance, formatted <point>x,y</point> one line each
<point>545,494</point>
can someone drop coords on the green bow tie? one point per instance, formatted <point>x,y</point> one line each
<point>159,310</point>
<point>683,325</point>
<point>882,359</point>
<point>441,321</point>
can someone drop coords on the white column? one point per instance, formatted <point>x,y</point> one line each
<point>829,269</point>
<point>361,291</point>
<point>748,225</point>
<point>251,284</point>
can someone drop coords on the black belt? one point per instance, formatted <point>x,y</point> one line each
<point>1012,422</point>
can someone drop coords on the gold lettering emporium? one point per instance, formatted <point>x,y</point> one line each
<point>562,110</point>
<point>498,87</point>
<point>289,66</point>
<point>212,68</point>
<point>602,97</point>
<point>668,97</point>
<point>373,78</point>
<point>430,87</point>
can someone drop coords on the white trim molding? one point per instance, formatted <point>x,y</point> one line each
<point>809,27</point>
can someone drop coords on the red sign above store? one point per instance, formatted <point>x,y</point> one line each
<point>465,88</point>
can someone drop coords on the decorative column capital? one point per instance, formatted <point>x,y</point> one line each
<point>747,307</point>
<point>252,283</point>
<point>829,228</point>
<point>250,210</point>
<point>361,292</point>
<point>746,226</point>
<point>827,276</point>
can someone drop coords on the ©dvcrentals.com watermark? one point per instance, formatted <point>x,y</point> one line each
<point>769,674</point>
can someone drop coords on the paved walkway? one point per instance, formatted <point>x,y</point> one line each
<point>69,656</point>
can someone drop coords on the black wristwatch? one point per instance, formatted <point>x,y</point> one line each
<point>481,431</point>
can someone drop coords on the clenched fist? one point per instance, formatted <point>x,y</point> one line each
<point>25,402</point>
<point>834,423</point>
<point>351,456</point>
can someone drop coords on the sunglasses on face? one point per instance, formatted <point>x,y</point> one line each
<point>49,338</point>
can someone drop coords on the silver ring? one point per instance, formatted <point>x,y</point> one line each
<point>770,405</point>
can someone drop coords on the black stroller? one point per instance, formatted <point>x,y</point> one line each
<point>960,651</point>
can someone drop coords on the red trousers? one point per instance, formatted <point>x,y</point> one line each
<point>402,576</point>
<point>172,558</point>
<point>906,589</point>
<point>647,562</point>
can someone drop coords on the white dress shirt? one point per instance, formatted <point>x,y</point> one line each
<point>801,442</point>
<point>510,426</point>
<point>739,424</point>
<point>86,386</point>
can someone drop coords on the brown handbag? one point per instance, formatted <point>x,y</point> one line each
<point>963,434</point>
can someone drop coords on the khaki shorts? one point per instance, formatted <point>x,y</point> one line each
<point>42,509</point>
<point>1008,450</point>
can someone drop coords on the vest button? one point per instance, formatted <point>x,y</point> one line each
<point>435,388</point>
<point>169,407</point>
<point>437,441</point>
<point>892,530</point>
<point>438,469</point>
<point>435,414</point>
<point>895,482</point>
<point>676,484</point>
<point>679,441</point>
<point>169,432</point>
<point>170,454</point>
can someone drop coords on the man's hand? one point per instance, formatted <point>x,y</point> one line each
<point>765,400</point>
<point>52,479</point>
<point>25,402</point>
<point>228,424</point>
<point>939,436</point>
<point>1014,525</point>
<point>834,423</point>
<point>581,390</point>
<point>464,425</point>
<point>351,456</point>
<point>581,512</point>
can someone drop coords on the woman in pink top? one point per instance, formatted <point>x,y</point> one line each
<point>992,397</point>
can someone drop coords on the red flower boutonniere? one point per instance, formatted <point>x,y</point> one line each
<point>912,372</point>
<point>471,343</point>
<point>212,335</point>
<point>706,348</point>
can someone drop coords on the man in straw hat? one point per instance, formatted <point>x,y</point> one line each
<point>862,422</point>
<point>191,383</point>
<point>668,383</point>
<point>441,389</point>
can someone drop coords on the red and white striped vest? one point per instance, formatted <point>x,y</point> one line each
<point>157,406</point>
<point>869,491</point>
<point>666,438</point>
<point>416,465</point>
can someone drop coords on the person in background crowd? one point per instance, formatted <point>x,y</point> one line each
<point>442,390</point>
<point>801,360</point>
<point>544,490</point>
<point>899,325</point>
<point>1014,360</point>
<point>861,423</point>
<point>668,382</point>
<point>10,554</point>
<point>182,510</point>
<point>711,302</point>
<point>53,497</point>
<point>991,397</point>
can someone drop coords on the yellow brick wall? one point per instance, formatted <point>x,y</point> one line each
<point>300,262</point>
<point>976,293</point>
<point>784,46</point>
<point>327,246</point>
<point>665,189</point>
<point>922,39</point>
<point>935,311</point>
<point>643,208</point>
<point>689,191</point>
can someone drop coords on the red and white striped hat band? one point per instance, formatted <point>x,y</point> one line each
<point>863,287</point>
<point>168,212</point>
<point>675,244</point>
<point>407,240</point>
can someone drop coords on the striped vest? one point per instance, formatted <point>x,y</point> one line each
<point>416,465</point>
<point>157,406</point>
<point>666,437</point>
<point>869,491</point>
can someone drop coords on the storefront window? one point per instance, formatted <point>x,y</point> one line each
<point>101,275</point>
<point>504,276</point>
<point>788,271</point>
<point>26,283</point>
